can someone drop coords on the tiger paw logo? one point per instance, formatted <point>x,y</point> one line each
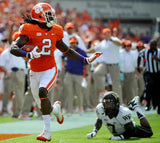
<point>38,9</point>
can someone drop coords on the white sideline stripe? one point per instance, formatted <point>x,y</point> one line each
<point>36,126</point>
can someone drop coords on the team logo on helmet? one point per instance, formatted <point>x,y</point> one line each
<point>38,9</point>
<point>44,13</point>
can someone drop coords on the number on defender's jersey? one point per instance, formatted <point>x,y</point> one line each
<point>127,117</point>
<point>112,127</point>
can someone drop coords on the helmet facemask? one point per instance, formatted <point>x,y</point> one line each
<point>50,18</point>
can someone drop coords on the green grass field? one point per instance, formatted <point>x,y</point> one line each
<point>78,135</point>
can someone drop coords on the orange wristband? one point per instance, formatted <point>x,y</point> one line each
<point>66,51</point>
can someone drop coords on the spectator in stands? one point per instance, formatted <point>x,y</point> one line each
<point>146,38</point>
<point>115,32</point>
<point>85,15</point>
<point>69,27</point>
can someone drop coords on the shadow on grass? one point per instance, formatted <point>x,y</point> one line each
<point>107,139</point>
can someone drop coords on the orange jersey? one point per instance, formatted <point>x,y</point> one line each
<point>46,42</point>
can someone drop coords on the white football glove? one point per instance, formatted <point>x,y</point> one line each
<point>121,137</point>
<point>35,53</point>
<point>91,135</point>
<point>93,57</point>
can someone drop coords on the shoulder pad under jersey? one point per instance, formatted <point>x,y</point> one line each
<point>100,110</point>
<point>58,30</point>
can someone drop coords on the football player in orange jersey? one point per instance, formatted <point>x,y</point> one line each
<point>40,30</point>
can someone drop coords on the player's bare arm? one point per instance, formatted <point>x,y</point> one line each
<point>97,127</point>
<point>70,53</point>
<point>16,46</point>
<point>98,124</point>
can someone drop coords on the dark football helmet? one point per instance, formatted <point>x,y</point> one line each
<point>111,104</point>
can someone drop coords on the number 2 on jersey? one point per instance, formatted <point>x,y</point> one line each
<point>45,48</point>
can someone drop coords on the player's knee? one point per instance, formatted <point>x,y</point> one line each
<point>145,132</point>
<point>150,133</point>
<point>43,93</point>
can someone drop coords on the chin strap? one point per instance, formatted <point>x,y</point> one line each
<point>49,24</point>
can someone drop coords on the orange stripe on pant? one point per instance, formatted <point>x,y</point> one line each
<point>51,83</point>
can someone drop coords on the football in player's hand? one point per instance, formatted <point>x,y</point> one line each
<point>29,48</point>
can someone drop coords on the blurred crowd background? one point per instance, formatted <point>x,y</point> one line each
<point>133,20</point>
<point>88,25</point>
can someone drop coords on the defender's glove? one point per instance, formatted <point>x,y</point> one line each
<point>91,135</point>
<point>121,137</point>
<point>93,57</point>
<point>35,53</point>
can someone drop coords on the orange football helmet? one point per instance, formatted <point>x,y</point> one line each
<point>44,13</point>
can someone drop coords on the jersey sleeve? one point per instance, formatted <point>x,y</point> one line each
<point>100,111</point>
<point>59,32</point>
<point>26,29</point>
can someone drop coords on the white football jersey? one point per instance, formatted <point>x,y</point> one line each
<point>116,124</point>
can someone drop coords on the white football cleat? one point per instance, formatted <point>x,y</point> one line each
<point>57,112</point>
<point>134,103</point>
<point>44,136</point>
